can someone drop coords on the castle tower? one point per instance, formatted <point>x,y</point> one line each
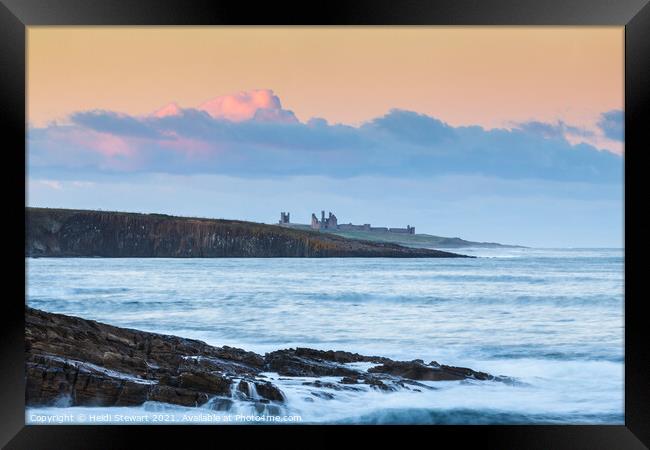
<point>314,222</point>
<point>332,221</point>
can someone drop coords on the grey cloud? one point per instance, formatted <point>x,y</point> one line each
<point>398,144</point>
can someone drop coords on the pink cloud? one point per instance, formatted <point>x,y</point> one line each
<point>259,104</point>
<point>105,143</point>
<point>171,109</point>
<point>598,140</point>
<point>52,184</point>
<point>189,146</point>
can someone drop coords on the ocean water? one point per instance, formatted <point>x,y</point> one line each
<point>551,318</point>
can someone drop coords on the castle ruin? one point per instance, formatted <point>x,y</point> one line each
<point>331,223</point>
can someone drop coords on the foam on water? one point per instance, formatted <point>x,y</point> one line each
<point>552,318</point>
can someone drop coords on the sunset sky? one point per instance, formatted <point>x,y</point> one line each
<point>509,134</point>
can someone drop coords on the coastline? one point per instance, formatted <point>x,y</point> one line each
<point>86,233</point>
<point>77,362</point>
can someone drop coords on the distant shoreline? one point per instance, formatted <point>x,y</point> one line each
<point>88,233</point>
<point>414,240</point>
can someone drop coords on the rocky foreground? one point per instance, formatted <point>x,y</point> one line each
<point>82,233</point>
<point>76,362</point>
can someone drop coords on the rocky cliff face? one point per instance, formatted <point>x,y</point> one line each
<point>69,233</point>
<point>71,361</point>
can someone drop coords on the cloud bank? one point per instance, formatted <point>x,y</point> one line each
<point>249,134</point>
<point>261,105</point>
<point>612,124</point>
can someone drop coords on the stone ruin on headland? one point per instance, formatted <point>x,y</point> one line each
<point>331,223</point>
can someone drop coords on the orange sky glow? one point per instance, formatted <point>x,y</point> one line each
<point>488,76</point>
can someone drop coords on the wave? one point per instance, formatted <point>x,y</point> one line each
<point>99,290</point>
<point>162,414</point>
<point>444,403</point>
<point>421,416</point>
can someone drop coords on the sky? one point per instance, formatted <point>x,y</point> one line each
<point>507,134</point>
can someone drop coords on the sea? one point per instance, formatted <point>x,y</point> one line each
<point>551,319</point>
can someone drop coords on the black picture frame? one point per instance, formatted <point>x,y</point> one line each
<point>16,15</point>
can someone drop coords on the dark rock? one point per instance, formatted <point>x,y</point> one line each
<point>327,385</point>
<point>94,364</point>
<point>417,370</point>
<point>204,382</point>
<point>337,356</point>
<point>269,391</point>
<point>349,380</point>
<point>50,378</point>
<point>221,404</point>
<point>376,383</point>
<point>244,388</point>
<point>242,356</point>
<point>178,396</point>
<point>73,361</point>
<point>301,363</point>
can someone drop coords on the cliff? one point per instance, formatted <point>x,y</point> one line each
<point>83,233</point>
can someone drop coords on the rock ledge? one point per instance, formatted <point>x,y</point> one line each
<point>73,362</point>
